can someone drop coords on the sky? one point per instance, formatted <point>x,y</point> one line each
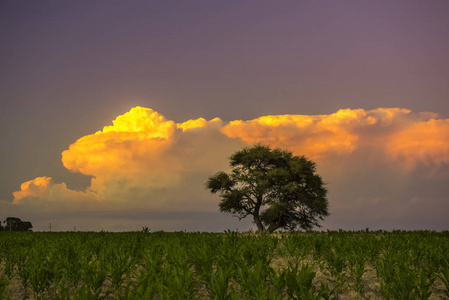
<point>113,114</point>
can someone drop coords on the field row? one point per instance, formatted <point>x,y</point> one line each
<point>230,265</point>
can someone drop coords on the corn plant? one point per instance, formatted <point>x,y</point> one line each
<point>253,281</point>
<point>93,276</point>
<point>357,269</point>
<point>218,286</point>
<point>118,264</point>
<point>255,250</point>
<point>277,284</point>
<point>319,247</point>
<point>23,270</point>
<point>148,279</point>
<point>299,282</point>
<point>202,258</point>
<point>70,261</point>
<point>10,262</point>
<point>424,283</point>
<point>397,279</point>
<point>147,286</point>
<point>41,275</point>
<point>177,281</point>
<point>337,262</point>
<point>231,248</point>
<point>85,293</point>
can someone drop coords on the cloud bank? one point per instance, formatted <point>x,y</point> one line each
<point>372,161</point>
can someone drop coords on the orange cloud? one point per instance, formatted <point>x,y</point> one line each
<point>302,134</point>
<point>34,188</point>
<point>143,151</point>
<point>198,123</point>
<point>394,132</point>
<point>425,142</point>
<point>117,148</point>
<point>43,192</point>
<point>145,160</point>
<point>313,136</point>
<point>133,144</point>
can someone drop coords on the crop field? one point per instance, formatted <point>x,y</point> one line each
<point>229,265</point>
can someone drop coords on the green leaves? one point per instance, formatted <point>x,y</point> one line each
<point>253,281</point>
<point>357,269</point>
<point>177,281</point>
<point>299,282</point>
<point>219,182</point>
<point>42,273</point>
<point>218,286</point>
<point>400,279</point>
<point>229,265</point>
<point>280,190</point>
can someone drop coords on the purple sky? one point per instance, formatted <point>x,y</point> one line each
<point>68,68</point>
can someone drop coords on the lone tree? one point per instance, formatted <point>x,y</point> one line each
<point>278,189</point>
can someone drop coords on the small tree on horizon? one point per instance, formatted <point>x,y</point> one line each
<point>278,189</point>
<point>16,224</point>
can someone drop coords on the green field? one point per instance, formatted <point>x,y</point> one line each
<point>230,265</point>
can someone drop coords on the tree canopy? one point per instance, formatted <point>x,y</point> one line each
<point>16,224</point>
<point>278,189</point>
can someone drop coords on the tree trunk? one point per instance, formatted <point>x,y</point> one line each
<point>272,228</point>
<point>260,228</point>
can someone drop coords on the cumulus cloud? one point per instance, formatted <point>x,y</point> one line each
<point>42,192</point>
<point>395,132</point>
<point>144,161</point>
<point>425,142</point>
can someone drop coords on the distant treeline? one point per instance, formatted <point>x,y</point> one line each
<point>15,224</point>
